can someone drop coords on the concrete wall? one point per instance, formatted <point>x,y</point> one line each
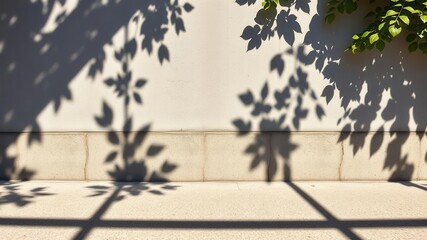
<point>208,89</point>
<point>214,156</point>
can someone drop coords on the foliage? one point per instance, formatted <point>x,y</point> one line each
<point>386,22</point>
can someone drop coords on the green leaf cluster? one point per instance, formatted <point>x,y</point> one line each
<point>386,22</point>
<point>266,4</point>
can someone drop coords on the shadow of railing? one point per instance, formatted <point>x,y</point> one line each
<point>217,224</point>
<point>345,226</point>
<point>415,185</point>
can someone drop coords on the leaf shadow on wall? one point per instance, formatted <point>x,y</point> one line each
<point>153,26</point>
<point>362,83</point>
<point>38,65</point>
<point>127,144</point>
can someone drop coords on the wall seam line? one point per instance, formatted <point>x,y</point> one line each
<point>87,156</point>
<point>204,157</point>
<point>420,157</point>
<point>341,161</point>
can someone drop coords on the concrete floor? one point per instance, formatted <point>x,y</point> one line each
<point>213,210</point>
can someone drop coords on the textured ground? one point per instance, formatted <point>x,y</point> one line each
<point>213,210</point>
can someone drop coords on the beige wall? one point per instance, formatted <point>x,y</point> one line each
<point>209,68</point>
<point>212,109</point>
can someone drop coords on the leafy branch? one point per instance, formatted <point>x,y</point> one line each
<point>386,22</point>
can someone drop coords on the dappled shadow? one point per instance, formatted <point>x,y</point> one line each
<point>11,193</point>
<point>330,220</point>
<point>378,92</point>
<point>118,192</point>
<point>39,66</point>
<point>391,76</point>
<point>45,44</point>
<point>270,23</point>
<point>133,189</point>
<point>126,143</point>
<point>277,110</point>
<point>276,116</point>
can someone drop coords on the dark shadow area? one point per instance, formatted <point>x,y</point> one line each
<point>411,184</point>
<point>373,88</point>
<point>11,194</point>
<point>220,224</point>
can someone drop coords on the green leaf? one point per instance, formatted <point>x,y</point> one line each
<point>390,13</point>
<point>423,18</point>
<point>266,4</point>
<point>353,48</point>
<point>404,19</point>
<point>365,34</point>
<point>409,8</point>
<point>394,30</point>
<point>373,38</point>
